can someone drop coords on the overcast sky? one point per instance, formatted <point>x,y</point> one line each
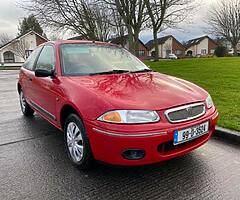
<point>10,15</point>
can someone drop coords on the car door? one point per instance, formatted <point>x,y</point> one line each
<point>44,88</point>
<point>27,73</point>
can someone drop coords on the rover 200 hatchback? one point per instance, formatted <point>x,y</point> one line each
<point>111,106</point>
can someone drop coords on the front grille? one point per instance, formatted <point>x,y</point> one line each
<point>185,113</point>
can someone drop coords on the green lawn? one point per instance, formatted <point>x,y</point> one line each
<point>9,68</point>
<point>219,76</point>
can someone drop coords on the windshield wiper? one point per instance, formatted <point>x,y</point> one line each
<point>115,71</point>
<point>142,70</point>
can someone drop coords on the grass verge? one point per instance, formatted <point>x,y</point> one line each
<point>219,76</point>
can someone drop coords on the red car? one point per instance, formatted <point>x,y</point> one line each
<point>111,106</point>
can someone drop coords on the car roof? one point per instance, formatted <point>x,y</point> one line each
<point>59,42</point>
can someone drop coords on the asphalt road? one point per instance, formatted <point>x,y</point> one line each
<point>33,165</point>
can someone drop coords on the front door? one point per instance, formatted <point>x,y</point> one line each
<point>44,92</point>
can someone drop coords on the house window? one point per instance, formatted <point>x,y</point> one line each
<point>8,57</point>
<point>168,52</point>
<point>141,53</point>
<point>189,53</point>
<point>153,53</point>
<point>212,51</point>
<point>203,51</point>
<point>28,52</point>
<point>178,52</point>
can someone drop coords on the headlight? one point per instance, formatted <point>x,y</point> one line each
<point>209,102</point>
<point>130,116</point>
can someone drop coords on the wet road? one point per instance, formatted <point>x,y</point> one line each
<point>33,165</point>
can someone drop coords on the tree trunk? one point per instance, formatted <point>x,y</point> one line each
<point>235,49</point>
<point>131,41</point>
<point>155,40</point>
<point>136,45</point>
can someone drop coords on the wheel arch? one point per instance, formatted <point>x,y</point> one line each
<point>19,87</point>
<point>66,110</point>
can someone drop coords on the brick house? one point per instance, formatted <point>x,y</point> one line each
<point>166,45</point>
<point>142,53</point>
<point>16,51</point>
<point>201,46</point>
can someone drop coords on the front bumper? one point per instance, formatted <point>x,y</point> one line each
<point>108,145</point>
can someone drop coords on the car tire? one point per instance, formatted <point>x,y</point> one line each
<point>77,143</point>
<point>25,107</point>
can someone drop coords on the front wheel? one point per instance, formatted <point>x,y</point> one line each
<point>26,109</point>
<point>77,143</point>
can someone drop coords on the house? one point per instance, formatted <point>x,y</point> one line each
<point>200,46</point>
<point>142,51</point>
<point>16,51</point>
<point>166,46</point>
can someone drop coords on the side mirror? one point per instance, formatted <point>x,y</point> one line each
<point>44,73</point>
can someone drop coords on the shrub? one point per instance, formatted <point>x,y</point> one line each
<point>221,51</point>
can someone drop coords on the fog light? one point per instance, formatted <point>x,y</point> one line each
<point>133,154</point>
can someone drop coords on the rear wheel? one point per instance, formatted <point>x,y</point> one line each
<point>77,143</point>
<point>26,109</point>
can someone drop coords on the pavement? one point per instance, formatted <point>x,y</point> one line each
<point>228,134</point>
<point>34,165</point>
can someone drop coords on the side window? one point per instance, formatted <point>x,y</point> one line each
<point>29,64</point>
<point>203,51</point>
<point>46,59</point>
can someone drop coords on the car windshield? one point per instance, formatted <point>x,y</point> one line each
<point>92,59</point>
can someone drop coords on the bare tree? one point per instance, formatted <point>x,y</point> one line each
<point>55,37</point>
<point>224,21</point>
<point>167,14</point>
<point>133,14</point>
<point>4,39</point>
<point>84,17</point>
<point>91,19</point>
<point>19,47</point>
<point>119,27</point>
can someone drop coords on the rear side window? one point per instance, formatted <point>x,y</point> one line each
<point>29,64</point>
<point>46,59</point>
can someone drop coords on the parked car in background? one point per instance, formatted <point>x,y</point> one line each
<point>231,52</point>
<point>172,56</point>
<point>111,106</point>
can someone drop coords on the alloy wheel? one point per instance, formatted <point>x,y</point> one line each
<point>75,142</point>
<point>22,101</point>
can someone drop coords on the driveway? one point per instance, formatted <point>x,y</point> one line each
<point>34,165</point>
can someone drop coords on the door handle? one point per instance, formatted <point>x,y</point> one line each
<point>29,78</point>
